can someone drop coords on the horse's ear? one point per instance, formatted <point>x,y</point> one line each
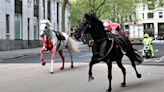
<point>86,16</point>
<point>47,24</point>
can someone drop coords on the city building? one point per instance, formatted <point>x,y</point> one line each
<point>149,18</point>
<point>20,21</point>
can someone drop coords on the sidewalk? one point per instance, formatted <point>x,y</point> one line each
<point>33,51</point>
<point>18,53</point>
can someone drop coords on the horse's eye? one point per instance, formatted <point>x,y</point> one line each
<point>46,27</point>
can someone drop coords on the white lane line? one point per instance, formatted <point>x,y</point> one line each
<point>156,50</point>
<point>160,59</point>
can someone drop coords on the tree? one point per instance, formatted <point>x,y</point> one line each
<point>105,9</point>
<point>77,11</point>
<point>80,7</point>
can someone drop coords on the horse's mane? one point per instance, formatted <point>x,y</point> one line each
<point>45,21</point>
<point>95,20</point>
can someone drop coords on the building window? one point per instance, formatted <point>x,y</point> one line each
<point>18,26</point>
<point>7,23</point>
<point>36,30</point>
<point>143,16</point>
<point>36,8</point>
<point>44,9</point>
<point>49,10</point>
<point>28,30</point>
<point>143,7</point>
<point>18,6</point>
<point>150,15</point>
<point>36,2</point>
<point>151,4</point>
<point>160,14</point>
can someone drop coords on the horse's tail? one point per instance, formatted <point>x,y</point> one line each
<point>138,56</point>
<point>134,55</point>
<point>73,45</point>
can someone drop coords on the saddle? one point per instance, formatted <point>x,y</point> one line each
<point>59,35</point>
<point>121,41</point>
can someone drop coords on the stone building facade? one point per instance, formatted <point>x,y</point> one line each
<point>20,21</point>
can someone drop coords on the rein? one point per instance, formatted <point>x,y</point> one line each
<point>108,38</point>
<point>99,59</point>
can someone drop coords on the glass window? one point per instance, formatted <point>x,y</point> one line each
<point>36,2</point>
<point>7,23</point>
<point>151,6</point>
<point>143,16</point>
<point>150,15</point>
<point>143,7</point>
<point>18,26</point>
<point>36,30</point>
<point>160,14</point>
<point>43,9</point>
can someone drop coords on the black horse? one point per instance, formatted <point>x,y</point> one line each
<point>105,47</point>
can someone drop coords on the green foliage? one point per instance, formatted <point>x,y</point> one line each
<point>105,9</point>
<point>78,9</point>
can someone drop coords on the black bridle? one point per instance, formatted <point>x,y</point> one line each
<point>89,24</point>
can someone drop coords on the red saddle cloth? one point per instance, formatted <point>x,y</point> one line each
<point>114,26</point>
<point>49,44</point>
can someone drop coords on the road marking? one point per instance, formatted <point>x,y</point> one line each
<point>156,50</point>
<point>160,59</point>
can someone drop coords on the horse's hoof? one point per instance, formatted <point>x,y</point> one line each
<point>51,72</point>
<point>123,84</point>
<point>62,68</point>
<point>72,66</point>
<point>90,78</point>
<point>109,90</point>
<point>139,75</point>
<point>43,63</point>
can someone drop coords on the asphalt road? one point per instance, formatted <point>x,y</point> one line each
<point>85,57</point>
<point>36,78</point>
<point>25,74</point>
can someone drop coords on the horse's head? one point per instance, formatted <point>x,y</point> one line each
<point>45,27</point>
<point>89,24</point>
<point>83,27</point>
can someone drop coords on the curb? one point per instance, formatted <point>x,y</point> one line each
<point>38,53</point>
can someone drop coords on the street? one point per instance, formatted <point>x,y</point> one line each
<point>85,57</point>
<point>35,78</point>
<point>25,74</point>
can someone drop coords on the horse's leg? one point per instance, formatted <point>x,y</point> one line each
<point>90,69</point>
<point>123,84</point>
<point>41,56</point>
<point>71,58</point>
<point>109,64</point>
<point>62,57</point>
<point>52,59</point>
<point>134,66</point>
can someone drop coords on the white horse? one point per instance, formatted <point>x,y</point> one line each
<point>52,43</point>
